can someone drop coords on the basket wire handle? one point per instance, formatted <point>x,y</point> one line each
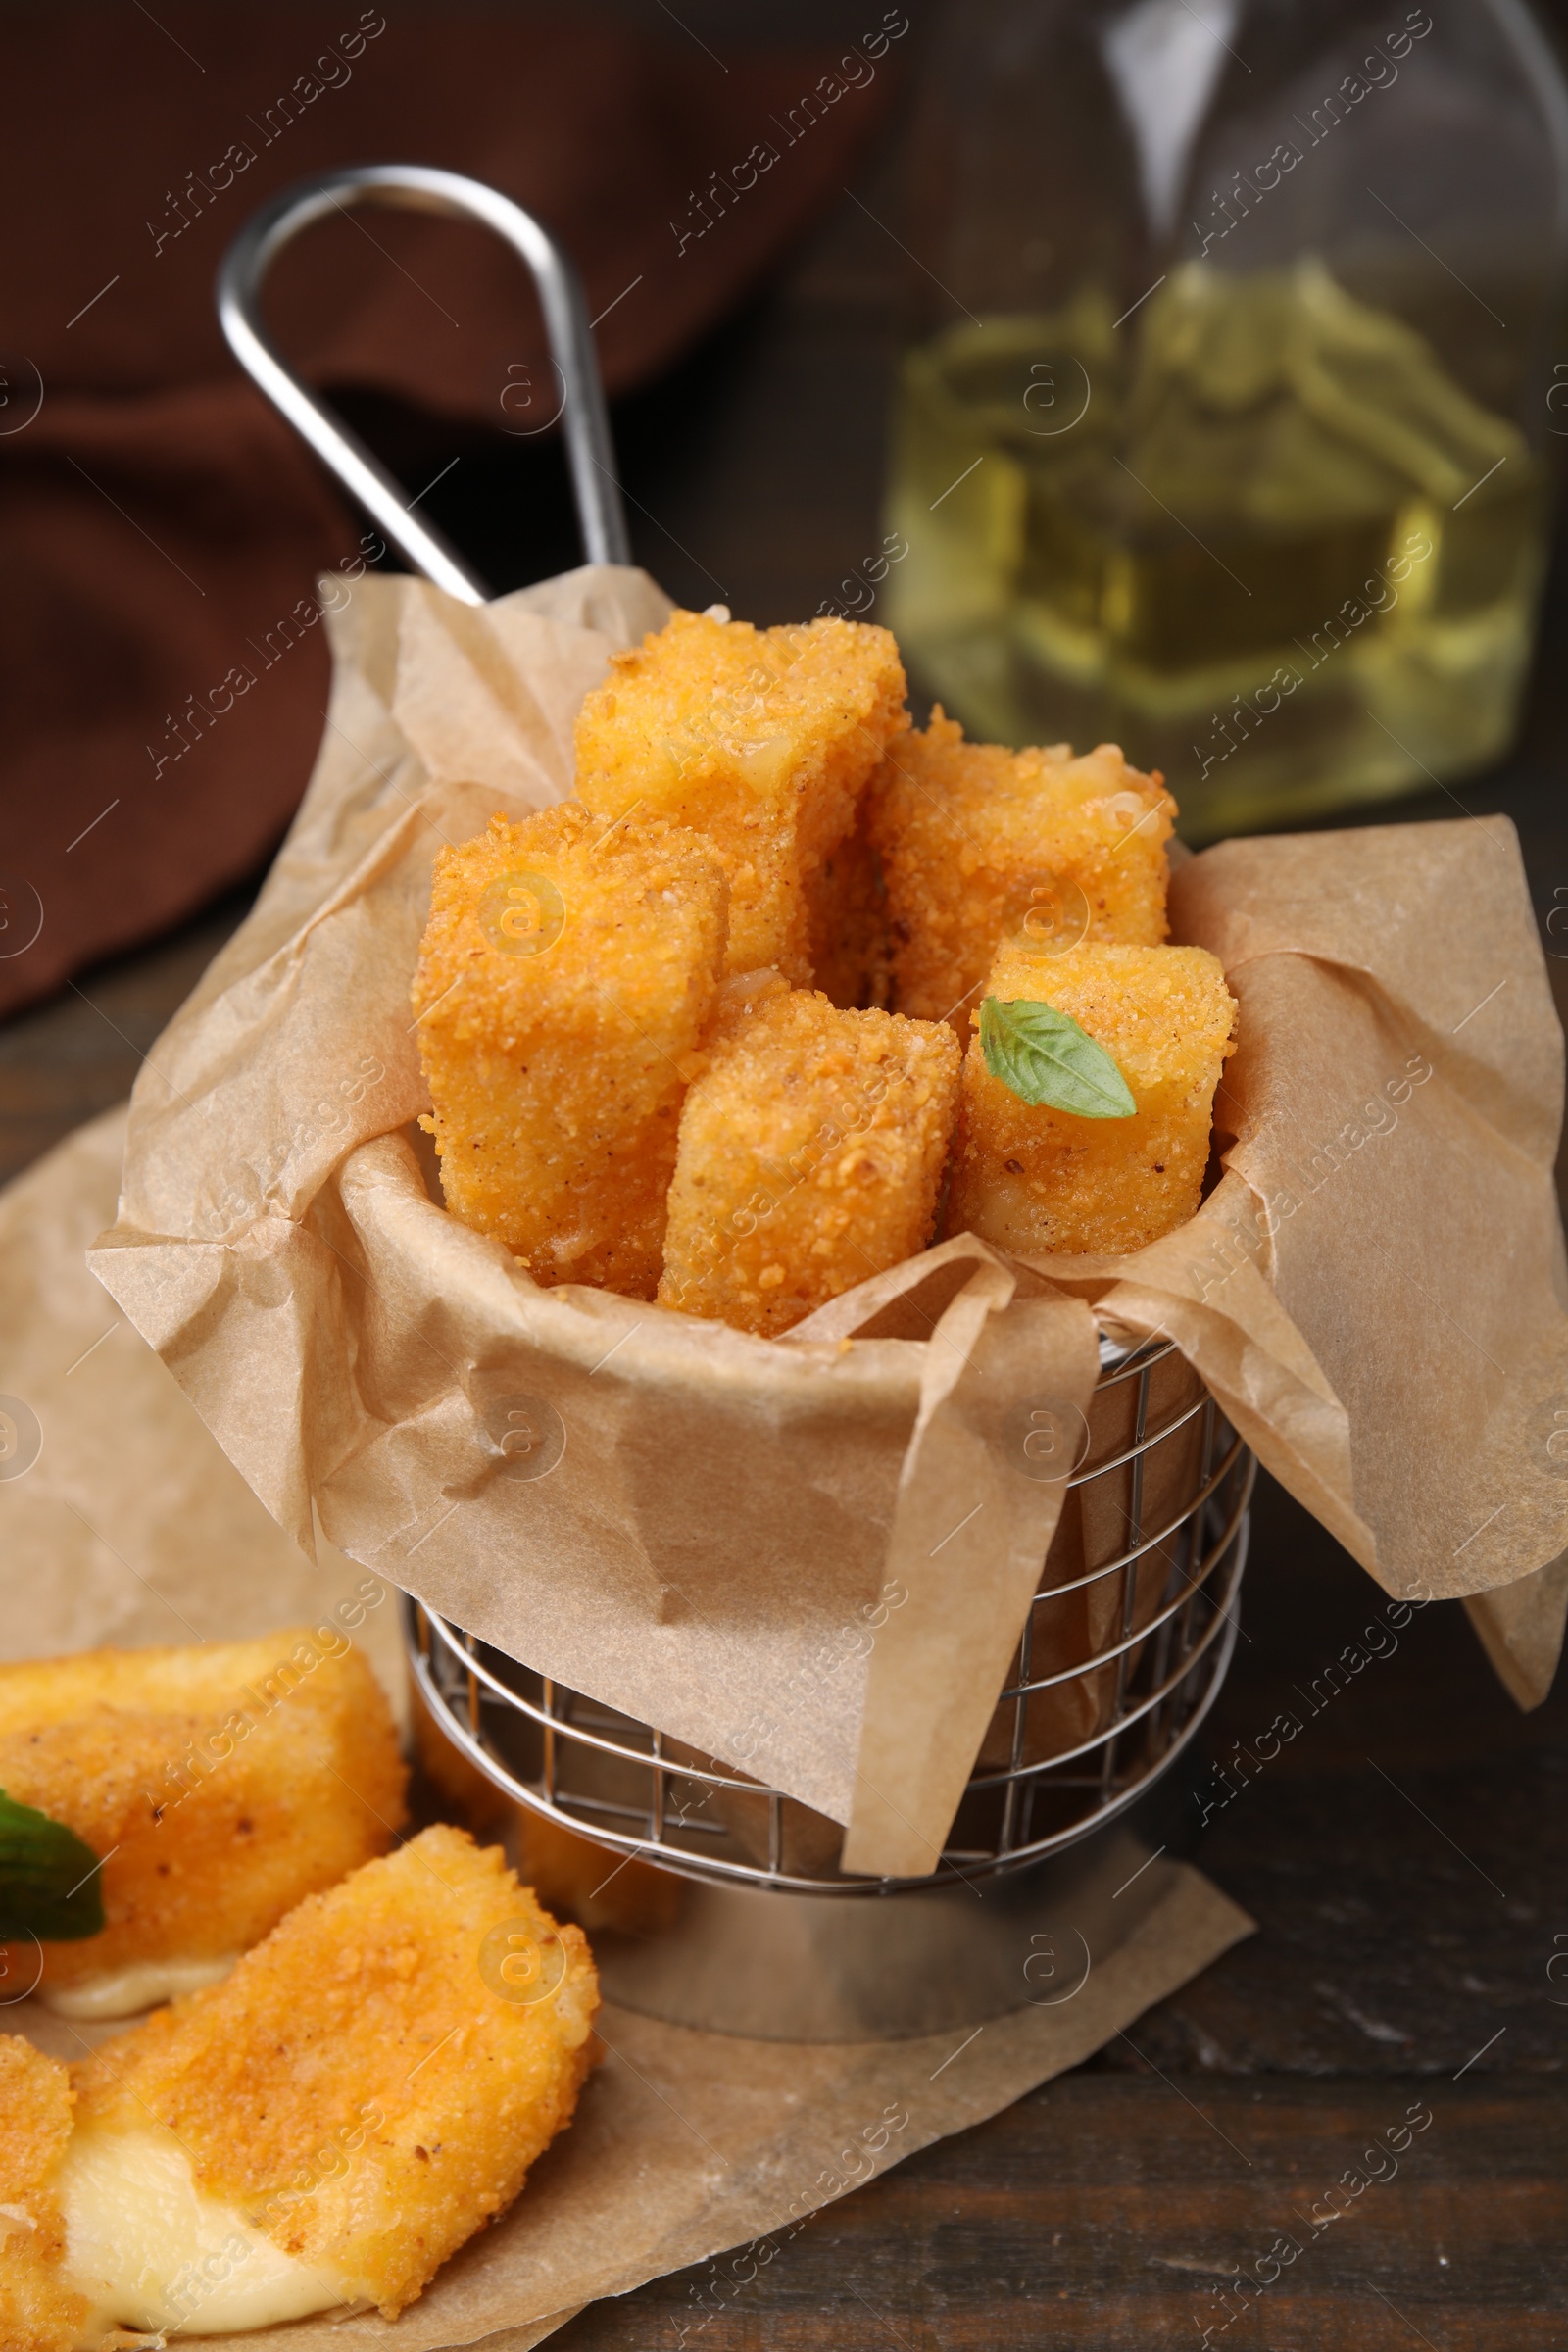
<point>420,188</point>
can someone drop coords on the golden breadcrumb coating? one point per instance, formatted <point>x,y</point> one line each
<point>373,2083</point>
<point>849,932</point>
<point>38,2311</point>
<point>222,1782</point>
<point>979,844</point>
<point>565,975</point>
<point>763,740</point>
<point>811,1152</point>
<point>1034,1180</point>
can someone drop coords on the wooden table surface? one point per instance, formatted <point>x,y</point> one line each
<point>1406,1858</point>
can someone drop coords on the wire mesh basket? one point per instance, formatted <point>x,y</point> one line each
<point>1126,1645</point>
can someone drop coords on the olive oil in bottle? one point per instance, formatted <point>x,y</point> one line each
<point>1263,540</point>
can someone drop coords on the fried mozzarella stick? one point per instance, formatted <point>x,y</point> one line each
<point>979,845</point>
<point>811,1152</point>
<point>1037,1180</point>
<point>219,1784</point>
<point>41,2311</point>
<point>849,928</point>
<point>763,741</point>
<point>331,2124</point>
<point>567,973</point>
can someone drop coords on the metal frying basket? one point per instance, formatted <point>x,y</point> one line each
<point>736,1915</point>
<point>714,1900</point>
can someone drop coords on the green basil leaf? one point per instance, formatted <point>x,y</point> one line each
<point>49,1881</point>
<point>1045,1058</point>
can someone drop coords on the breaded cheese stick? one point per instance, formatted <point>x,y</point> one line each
<point>763,740</point>
<point>849,932</point>
<point>368,2088</point>
<point>41,2311</point>
<point>811,1152</point>
<point>1037,1180</point>
<point>979,845</point>
<point>220,1785</point>
<point>566,972</point>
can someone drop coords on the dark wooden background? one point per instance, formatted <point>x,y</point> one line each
<point>1406,1858</point>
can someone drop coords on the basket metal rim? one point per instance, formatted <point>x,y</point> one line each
<point>1140,1446</point>
<point>1124,1359</point>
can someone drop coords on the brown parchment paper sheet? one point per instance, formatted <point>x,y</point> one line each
<point>727,1512</point>
<point>1410,1231</point>
<point>131,1526</point>
<point>685,2144</point>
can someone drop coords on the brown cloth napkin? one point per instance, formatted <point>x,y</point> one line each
<point>161,529</point>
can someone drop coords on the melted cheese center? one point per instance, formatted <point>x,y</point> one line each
<point>150,2250</point>
<point>127,1991</point>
